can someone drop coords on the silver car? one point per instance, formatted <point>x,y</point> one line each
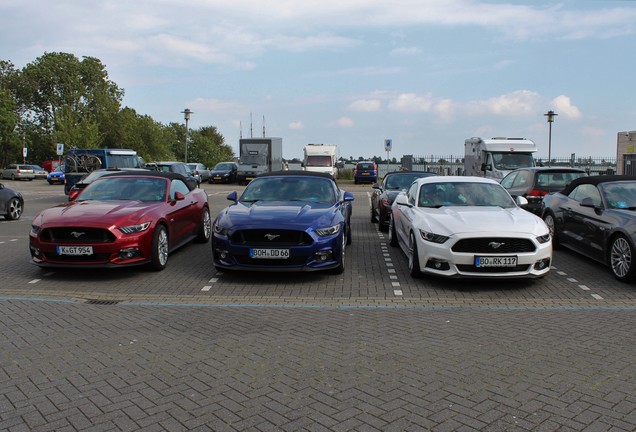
<point>18,172</point>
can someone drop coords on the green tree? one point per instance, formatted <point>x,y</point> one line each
<point>69,101</point>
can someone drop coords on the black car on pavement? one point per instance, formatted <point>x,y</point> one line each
<point>596,217</point>
<point>223,172</point>
<point>385,192</point>
<point>175,167</point>
<point>534,183</point>
<point>11,203</point>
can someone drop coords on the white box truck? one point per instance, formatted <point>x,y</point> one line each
<point>258,156</point>
<point>496,157</point>
<point>320,158</point>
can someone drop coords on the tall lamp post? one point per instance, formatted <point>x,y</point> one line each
<point>550,115</point>
<point>186,115</point>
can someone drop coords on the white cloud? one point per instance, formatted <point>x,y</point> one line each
<point>297,125</point>
<point>518,103</point>
<point>405,51</point>
<point>563,106</point>
<point>365,105</point>
<point>411,102</point>
<point>344,122</point>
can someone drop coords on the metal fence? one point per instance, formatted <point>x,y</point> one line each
<point>454,165</point>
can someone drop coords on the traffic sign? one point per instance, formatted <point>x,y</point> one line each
<point>24,151</point>
<point>387,144</point>
<point>60,149</point>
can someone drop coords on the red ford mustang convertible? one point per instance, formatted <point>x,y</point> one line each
<point>122,220</point>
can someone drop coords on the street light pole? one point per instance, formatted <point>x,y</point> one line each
<point>550,115</point>
<point>186,114</point>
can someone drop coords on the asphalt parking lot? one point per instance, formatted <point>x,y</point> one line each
<point>191,348</point>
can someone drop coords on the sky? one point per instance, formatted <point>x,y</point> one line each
<point>426,74</point>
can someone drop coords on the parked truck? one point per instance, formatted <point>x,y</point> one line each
<point>320,158</point>
<point>258,156</point>
<point>79,162</point>
<point>496,157</point>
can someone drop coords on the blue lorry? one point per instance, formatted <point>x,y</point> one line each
<point>80,162</point>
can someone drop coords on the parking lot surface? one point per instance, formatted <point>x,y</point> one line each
<point>191,348</point>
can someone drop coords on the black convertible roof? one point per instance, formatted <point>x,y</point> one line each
<point>296,173</point>
<point>596,180</point>
<point>149,173</point>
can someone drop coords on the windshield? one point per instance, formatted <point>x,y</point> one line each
<point>125,188</point>
<point>620,195</point>
<point>402,181</point>
<point>511,161</point>
<point>224,166</point>
<point>451,194</point>
<point>289,189</point>
<point>319,161</point>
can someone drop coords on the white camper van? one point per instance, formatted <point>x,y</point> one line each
<point>320,158</point>
<point>496,157</point>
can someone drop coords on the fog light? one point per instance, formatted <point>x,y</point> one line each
<point>35,252</point>
<point>222,254</point>
<point>129,253</point>
<point>323,256</point>
<point>437,264</point>
<point>544,263</point>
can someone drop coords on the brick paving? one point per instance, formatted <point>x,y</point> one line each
<point>310,352</point>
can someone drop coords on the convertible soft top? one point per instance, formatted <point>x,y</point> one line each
<point>150,173</point>
<point>596,180</point>
<point>296,173</point>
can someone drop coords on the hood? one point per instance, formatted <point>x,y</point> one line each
<point>220,171</point>
<point>279,214</point>
<point>497,220</point>
<point>102,213</point>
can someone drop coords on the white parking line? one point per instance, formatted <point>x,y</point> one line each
<point>572,280</point>
<point>584,288</point>
<point>397,292</point>
<point>206,288</point>
<point>597,297</point>
<point>35,281</point>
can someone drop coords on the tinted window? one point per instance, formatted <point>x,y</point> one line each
<point>464,194</point>
<point>289,189</point>
<point>586,191</point>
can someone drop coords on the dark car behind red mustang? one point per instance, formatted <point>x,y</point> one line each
<point>122,219</point>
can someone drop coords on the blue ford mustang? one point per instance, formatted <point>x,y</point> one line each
<point>284,221</point>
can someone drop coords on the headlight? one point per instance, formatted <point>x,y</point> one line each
<point>543,239</point>
<point>218,229</point>
<point>35,229</point>
<point>132,229</point>
<point>432,237</point>
<point>323,232</point>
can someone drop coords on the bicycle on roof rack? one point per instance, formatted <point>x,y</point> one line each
<point>83,162</point>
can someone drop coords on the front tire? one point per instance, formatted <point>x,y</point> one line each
<point>14,209</point>
<point>205,227</point>
<point>393,240</point>
<point>548,218</point>
<point>341,266</point>
<point>414,258</point>
<point>159,253</point>
<point>621,258</point>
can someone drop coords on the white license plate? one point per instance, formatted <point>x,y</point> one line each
<point>493,261</point>
<point>269,253</point>
<point>74,250</point>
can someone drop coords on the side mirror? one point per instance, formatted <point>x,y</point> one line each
<point>232,196</point>
<point>376,186</point>
<point>401,199</point>
<point>588,202</point>
<point>179,196</point>
<point>348,196</point>
<point>521,200</point>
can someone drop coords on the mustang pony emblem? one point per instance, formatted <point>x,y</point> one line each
<point>77,234</point>
<point>495,245</point>
<point>271,237</point>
